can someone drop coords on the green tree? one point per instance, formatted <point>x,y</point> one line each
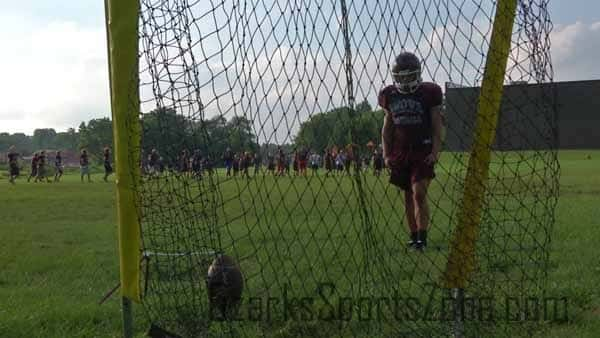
<point>240,133</point>
<point>168,132</point>
<point>43,138</point>
<point>334,127</point>
<point>217,135</point>
<point>68,140</point>
<point>96,135</point>
<point>22,142</point>
<point>5,141</point>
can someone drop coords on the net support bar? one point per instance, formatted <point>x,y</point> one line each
<point>122,23</point>
<point>461,260</point>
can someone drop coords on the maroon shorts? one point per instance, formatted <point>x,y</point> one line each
<point>302,164</point>
<point>408,167</point>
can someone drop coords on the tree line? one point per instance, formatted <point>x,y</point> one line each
<point>169,132</point>
<point>93,135</point>
<point>340,127</point>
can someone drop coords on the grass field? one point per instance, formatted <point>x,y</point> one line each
<point>58,254</point>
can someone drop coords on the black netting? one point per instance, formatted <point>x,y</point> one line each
<point>264,77</point>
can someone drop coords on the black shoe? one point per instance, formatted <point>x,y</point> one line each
<point>421,240</point>
<point>412,244</point>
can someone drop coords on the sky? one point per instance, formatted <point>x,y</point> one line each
<point>54,61</point>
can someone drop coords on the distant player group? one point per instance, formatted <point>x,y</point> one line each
<point>280,163</point>
<point>334,161</point>
<point>411,143</point>
<point>41,169</point>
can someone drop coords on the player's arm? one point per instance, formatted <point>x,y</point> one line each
<point>387,134</point>
<point>437,131</point>
<point>444,124</point>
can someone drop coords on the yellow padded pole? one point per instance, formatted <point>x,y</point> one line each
<point>122,34</point>
<point>461,259</point>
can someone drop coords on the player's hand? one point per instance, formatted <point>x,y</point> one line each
<point>387,162</point>
<point>432,158</point>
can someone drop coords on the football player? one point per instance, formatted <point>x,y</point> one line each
<point>107,165</point>
<point>411,135</point>
<point>41,168</point>
<point>58,167</point>
<point>281,159</point>
<point>328,162</point>
<point>13,164</point>
<point>303,161</point>
<point>84,165</point>
<point>228,159</point>
<point>34,166</point>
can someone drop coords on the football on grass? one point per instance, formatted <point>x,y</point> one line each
<point>225,284</point>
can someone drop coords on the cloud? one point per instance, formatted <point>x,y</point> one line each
<point>55,74</point>
<point>278,77</point>
<point>575,50</point>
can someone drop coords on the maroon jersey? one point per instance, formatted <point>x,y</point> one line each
<point>12,157</point>
<point>83,160</point>
<point>411,114</point>
<point>303,155</point>
<point>153,158</point>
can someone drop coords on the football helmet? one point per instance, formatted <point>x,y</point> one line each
<point>406,72</point>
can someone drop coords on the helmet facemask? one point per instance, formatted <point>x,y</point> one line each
<point>407,81</point>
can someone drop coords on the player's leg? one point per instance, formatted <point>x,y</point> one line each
<point>11,173</point>
<point>409,208</point>
<point>400,174</point>
<point>33,173</point>
<point>421,209</point>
